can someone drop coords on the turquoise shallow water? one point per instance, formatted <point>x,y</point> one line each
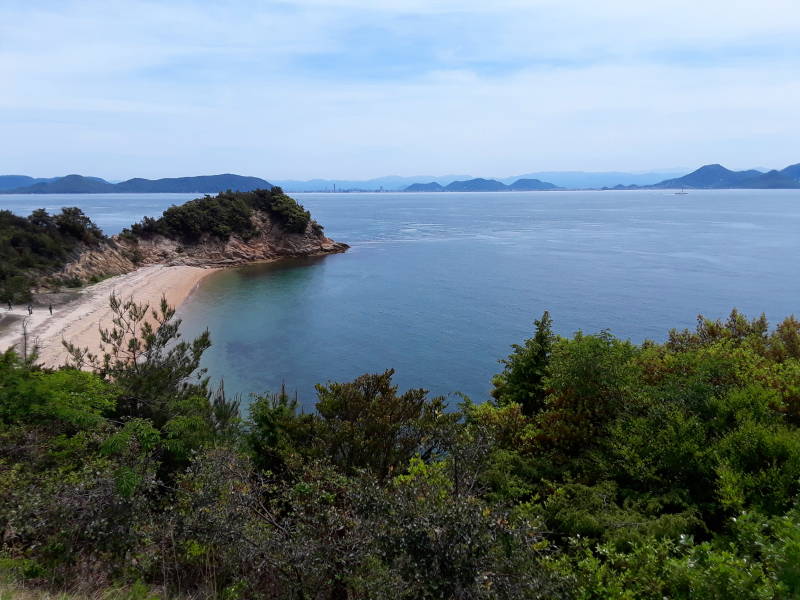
<point>438,286</point>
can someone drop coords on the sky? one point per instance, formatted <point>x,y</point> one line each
<point>359,89</point>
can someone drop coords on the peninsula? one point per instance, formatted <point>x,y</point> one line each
<point>64,261</point>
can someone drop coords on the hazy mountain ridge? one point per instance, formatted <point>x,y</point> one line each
<point>476,185</point>
<point>80,184</point>
<point>713,176</point>
<point>595,179</point>
<point>716,176</point>
<point>483,185</point>
<point>202,183</point>
<point>433,186</point>
<point>526,185</point>
<point>565,179</point>
<point>568,179</point>
<point>388,183</point>
<point>10,182</point>
<point>71,184</point>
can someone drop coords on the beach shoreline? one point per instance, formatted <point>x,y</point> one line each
<point>79,320</point>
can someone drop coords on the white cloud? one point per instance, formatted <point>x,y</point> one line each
<point>350,89</point>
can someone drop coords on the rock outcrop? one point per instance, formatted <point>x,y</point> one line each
<point>125,253</point>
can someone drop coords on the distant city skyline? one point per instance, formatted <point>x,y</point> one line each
<point>340,89</point>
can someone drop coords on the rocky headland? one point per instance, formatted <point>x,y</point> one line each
<point>125,253</point>
<point>164,257</point>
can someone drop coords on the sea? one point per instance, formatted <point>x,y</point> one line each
<point>439,286</point>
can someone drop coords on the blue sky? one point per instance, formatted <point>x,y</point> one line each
<point>339,88</point>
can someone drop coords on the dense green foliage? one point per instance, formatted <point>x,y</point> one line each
<point>602,469</point>
<point>522,379</point>
<point>37,245</point>
<point>228,213</point>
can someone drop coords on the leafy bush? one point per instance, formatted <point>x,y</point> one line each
<point>604,470</point>
<point>37,245</point>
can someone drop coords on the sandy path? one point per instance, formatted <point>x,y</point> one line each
<point>78,321</point>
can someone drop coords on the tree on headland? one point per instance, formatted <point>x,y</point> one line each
<point>227,213</point>
<point>522,379</point>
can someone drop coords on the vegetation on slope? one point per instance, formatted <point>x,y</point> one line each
<point>37,245</point>
<point>228,213</point>
<point>600,469</point>
<point>34,247</point>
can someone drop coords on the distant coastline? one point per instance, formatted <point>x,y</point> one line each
<point>713,176</point>
<point>79,184</point>
<point>706,177</point>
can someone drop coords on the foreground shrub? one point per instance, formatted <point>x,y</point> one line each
<point>604,470</point>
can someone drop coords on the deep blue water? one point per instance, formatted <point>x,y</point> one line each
<point>438,286</point>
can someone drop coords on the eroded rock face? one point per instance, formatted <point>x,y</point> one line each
<point>121,255</point>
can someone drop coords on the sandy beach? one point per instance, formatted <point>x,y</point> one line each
<point>78,320</point>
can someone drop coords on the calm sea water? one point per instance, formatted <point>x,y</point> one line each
<point>438,286</point>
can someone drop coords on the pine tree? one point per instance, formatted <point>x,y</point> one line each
<point>521,381</point>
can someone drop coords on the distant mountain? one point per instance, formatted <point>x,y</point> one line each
<point>389,183</point>
<point>568,179</point>
<point>205,184</point>
<point>718,177</point>
<point>776,180</point>
<point>576,180</point>
<point>530,185</point>
<point>424,187</point>
<point>562,179</point>
<point>710,177</point>
<point>707,177</point>
<point>10,182</point>
<point>71,184</point>
<point>483,185</point>
<point>476,185</point>
<point>792,172</point>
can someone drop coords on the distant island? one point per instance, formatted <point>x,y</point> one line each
<point>79,184</point>
<point>482,185</point>
<point>717,177</point>
<point>713,176</point>
<point>707,177</point>
<point>564,179</point>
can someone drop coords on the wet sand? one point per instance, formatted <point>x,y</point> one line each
<point>79,320</point>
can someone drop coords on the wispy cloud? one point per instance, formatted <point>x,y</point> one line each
<point>346,88</point>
